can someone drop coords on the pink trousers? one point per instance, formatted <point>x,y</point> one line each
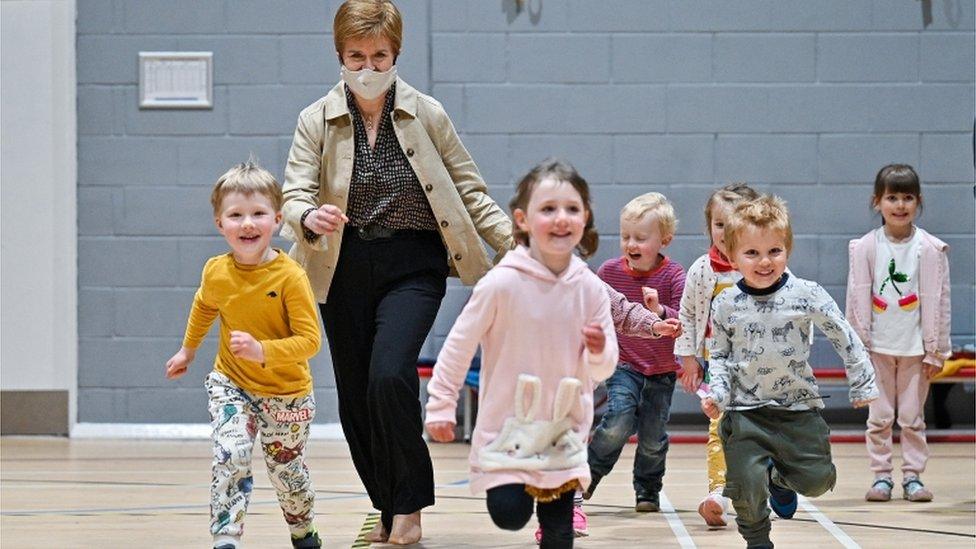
<point>903,388</point>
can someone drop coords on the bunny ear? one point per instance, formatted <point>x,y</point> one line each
<point>567,396</point>
<point>526,380</point>
<point>536,398</point>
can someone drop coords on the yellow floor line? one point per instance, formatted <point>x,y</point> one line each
<point>368,524</point>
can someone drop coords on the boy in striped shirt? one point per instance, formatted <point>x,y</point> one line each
<point>639,392</point>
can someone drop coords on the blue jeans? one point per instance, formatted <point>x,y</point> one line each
<point>635,404</point>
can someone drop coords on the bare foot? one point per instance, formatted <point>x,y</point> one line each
<point>406,529</point>
<point>378,534</point>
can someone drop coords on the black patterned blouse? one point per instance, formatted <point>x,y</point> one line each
<point>384,189</point>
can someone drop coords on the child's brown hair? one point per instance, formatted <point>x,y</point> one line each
<point>729,195</point>
<point>559,170</point>
<point>896,178</point>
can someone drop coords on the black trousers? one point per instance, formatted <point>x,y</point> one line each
<point>381,304</point>
<point>510,508</point>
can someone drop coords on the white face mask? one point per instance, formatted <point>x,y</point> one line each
<point>367,83</point>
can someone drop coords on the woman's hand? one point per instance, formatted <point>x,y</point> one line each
<point>177,365</point>
<point>594,338</point>
<point>710,408</point>
<point>441,431</point>
<point>243,345</point>
<point>931,371</point>
<point>325,220</point>
<point>862,403</point>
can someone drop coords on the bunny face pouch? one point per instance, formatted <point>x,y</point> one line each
<point>528,444</point>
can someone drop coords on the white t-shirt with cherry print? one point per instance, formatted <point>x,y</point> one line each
<point>896,327</point>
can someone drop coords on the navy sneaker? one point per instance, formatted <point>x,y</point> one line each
<point>781,500</point>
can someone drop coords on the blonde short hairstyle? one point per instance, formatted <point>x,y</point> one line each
<point>655,204</point>
<point>357,19</point>
<point>767,212</point>
<point>247,178</point>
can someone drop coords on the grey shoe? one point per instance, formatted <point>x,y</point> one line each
<point>880,490</point>
<point>914,490</point>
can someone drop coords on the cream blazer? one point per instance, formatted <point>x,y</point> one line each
<point>319,170</point>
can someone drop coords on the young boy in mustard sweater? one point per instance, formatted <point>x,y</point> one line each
<point>261,381</point>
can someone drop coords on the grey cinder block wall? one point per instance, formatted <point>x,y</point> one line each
<point>806,99</point>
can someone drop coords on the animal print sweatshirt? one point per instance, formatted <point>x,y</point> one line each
<point>760,346</point>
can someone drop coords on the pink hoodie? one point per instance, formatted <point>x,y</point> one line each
<point>528,321</point>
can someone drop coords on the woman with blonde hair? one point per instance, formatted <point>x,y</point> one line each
<point>383,203</point>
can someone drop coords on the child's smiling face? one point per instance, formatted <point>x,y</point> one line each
<point>760,255</point>
<point>247,222</point>
<point>898,209</point>
<point>641,240</point>
<point>554,219</point>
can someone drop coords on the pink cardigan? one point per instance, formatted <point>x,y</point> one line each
<point>527,321</point>
<point>933,289</point>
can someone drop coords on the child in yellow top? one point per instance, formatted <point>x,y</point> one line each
<point>261,380</point>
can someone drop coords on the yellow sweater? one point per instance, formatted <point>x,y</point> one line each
<point>273,302</point>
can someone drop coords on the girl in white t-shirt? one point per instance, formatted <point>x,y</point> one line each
<point>898,302</point>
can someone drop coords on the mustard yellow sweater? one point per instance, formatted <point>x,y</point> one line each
<point>273,302</point>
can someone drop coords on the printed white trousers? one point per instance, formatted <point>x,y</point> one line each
<point>237,417</point>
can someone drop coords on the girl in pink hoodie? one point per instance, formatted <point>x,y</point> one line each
<point>543,321</point>
<point>898,303</point>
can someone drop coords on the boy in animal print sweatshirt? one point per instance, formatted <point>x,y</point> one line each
<point>776,442</point>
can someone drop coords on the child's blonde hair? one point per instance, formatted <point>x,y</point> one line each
<point>766,212</point>
<point>729,195</point>
<point>247,178</point>
<point>655,204</point>
<point>563,171</point>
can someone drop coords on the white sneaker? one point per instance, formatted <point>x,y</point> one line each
<point>714,509</point>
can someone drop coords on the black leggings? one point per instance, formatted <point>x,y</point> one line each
<point>510,508</point>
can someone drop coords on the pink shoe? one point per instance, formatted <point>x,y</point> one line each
<point>580,528</point>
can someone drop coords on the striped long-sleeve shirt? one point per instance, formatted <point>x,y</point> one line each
<point>647,356</point>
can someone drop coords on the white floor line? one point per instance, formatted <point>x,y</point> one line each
<point>828,524</point>
<point>678,527</point>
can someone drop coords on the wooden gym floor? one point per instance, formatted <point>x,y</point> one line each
<point>57,492</point>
